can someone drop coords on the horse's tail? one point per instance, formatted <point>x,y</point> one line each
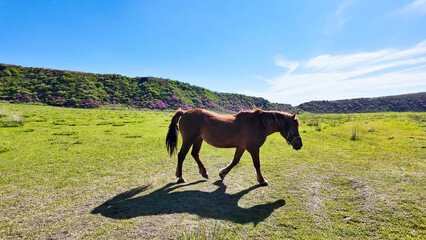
<point>172,134</point>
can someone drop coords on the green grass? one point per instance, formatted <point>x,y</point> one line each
<point>105,174</point>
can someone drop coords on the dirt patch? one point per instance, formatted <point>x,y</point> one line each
<point>315,202</point>
<point>365,194</point>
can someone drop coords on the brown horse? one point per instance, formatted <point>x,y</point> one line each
<point>244,131</point>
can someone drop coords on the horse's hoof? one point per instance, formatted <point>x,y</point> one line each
<point>222,175</point>
<point>205,175</point>
<point>180,180</point>
<point>264,183</point>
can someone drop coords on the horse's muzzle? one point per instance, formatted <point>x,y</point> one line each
<point>297,146</point>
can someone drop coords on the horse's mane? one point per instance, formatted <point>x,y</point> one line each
<point>271,119</point>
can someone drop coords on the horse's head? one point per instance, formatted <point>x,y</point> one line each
<point>291,133</point>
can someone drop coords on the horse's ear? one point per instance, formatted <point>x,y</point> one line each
<point>294,116</point>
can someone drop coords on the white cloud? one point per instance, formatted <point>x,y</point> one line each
<point>364,74</point>
<point>291,66</point>
<point>337,19</point>
<point>414,9</point>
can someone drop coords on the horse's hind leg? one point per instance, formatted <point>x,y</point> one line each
<point>238,153</point>
<point>196,154</point>
<point>186,145</point>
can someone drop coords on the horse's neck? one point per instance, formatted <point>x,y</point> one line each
<point>272,130</point>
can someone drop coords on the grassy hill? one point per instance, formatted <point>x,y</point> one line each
<point>401,103</point>
<point>88,90</point>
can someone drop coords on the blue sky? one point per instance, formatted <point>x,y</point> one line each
<point>284,51</point>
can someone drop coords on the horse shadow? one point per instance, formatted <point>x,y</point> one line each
<point>216,205</point>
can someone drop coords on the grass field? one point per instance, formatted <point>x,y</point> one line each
<point>105,174</point>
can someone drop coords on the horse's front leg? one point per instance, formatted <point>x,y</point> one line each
<point>255,156</point>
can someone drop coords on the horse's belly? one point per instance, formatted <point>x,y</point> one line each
<point>224,140</point>
<point>223,144</point>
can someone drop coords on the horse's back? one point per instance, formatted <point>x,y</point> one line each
<point>195,119</point>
